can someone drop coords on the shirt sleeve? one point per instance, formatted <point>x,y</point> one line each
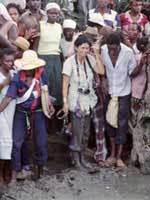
<point>132,63</point>
<point>44,78</point>
<point>118,22</point>
<point>67,67</point>
<point>13,87</point>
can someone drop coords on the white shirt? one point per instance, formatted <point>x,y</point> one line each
<point>70,69</point>
<point>110,18</point>
<point>118,76</point>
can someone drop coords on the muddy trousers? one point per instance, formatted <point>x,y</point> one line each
<point>81,132</point>
<point>20,134</point>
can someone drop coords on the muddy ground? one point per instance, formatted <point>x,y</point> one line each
<point>62,182</point>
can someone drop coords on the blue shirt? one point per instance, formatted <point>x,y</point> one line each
<point>18,88</point>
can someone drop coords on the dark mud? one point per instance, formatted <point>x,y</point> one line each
<point>62,182</point>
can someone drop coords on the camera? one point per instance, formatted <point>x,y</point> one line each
<point>84,91</point>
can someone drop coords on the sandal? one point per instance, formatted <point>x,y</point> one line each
<point>111,161</point>
<point>120,164</point>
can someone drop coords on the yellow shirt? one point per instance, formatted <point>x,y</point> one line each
<point>50,36</point>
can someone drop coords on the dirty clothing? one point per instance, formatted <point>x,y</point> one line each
<point>20,135</point>
<point>81,130</point>
<point>23,111</point>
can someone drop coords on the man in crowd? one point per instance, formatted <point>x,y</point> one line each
<point>120,65</point>
<point>109,16</point>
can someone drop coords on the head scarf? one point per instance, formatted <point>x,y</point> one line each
<point>4,13</point>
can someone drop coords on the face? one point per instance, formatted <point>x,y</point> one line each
<point>18,52</point>
<point>30,72</point>
<point>133,32</point>
<point>34,4</point>
<point>113,50</point>
<point>53,15</point>
<point>14,14</point>
<point>83,49</point>
<point>102,3</point>
<point>136,6</point>
<point>68,33</point>
<point>7,62</point>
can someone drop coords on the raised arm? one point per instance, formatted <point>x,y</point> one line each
<point>139,67</point>
<point>99,67</point>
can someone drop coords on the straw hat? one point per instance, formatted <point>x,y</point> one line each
<point>22,43</point>
<point>91,30</point>
<point>29,61</point>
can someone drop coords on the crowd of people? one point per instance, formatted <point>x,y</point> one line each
<point>51,71</point>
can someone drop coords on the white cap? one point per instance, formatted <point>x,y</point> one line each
<point>51,6</point>
<point>97,19</point>
<point>69,23</point>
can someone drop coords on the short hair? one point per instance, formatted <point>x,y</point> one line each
<point>82,39</point>
<point>142,43</point>
<point>6,51</point>
<point>132,1</point>
<point>13,5</point>
<point>113,39</point>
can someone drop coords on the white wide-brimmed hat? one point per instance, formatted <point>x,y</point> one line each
<point>97,19</point>
<point>69,23</point>
<point>29,61</point>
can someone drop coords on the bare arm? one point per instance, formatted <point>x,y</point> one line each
<point>138,69</point>
<point>99,67</point>
<point>13,33</point>
<point>65,87</point>
<point>6,100</point>
<point>4,43</point>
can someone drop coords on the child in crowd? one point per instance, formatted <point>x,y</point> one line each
<point>66,44</point>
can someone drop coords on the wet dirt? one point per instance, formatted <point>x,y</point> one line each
<point>62,182</point>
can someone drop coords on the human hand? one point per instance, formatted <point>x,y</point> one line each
<point>144,57</point>
<point>31,33</point>
<point>65,108</point>
<point>51,110</point>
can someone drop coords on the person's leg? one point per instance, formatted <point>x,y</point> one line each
<point>39,139</point>
<point>82,4</point>
<point>123,116</point>
<point>77,130</point>
<point>111,132</point>
<point>25,155</point>
<point>2,172</point>
<point>85,138</point>
<point>19,131</point>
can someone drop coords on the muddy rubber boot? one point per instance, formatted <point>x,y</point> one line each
<point>85,163</point>
<point>38,171</point>
<point>76,159</point>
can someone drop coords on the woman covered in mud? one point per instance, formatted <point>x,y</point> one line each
<point>79,96</point>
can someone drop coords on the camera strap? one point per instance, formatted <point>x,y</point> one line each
<point>78,72</point>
